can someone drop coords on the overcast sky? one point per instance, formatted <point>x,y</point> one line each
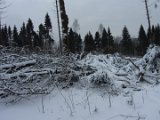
<point>90,13</point>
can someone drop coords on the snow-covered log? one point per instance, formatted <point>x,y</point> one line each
<point>18,65</point>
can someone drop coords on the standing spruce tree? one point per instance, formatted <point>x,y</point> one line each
<point>47,22</point>
<point>104,40</point>
<point>74,43</point>
<point>29,31</point>
<point>16,41</point>
<point>65,21</point>
<point>110,38</point>
<point>126,43</point>
<point>78,46</point>
<point>41,36</point>
<point>9,36</point>
<point>110,44</point>
<point>36,42</point>
<point>48,28</point>
<point>156,35</point>
<point>77,37</point>
<point>23,35</point>
<point>97,40</point>
<point>89,43</point>
<point>143,41</point>
<point>4,36</point>
<point>71,42</point>
<point>2,7</point>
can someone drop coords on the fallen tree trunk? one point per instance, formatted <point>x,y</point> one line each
<point>27,74</point>
<point>18,65</point>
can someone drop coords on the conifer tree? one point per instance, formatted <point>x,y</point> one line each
<point>41,36</point>
<point>78,45</point>
<point>48,28</point>
<point>97,40</point>
<point>143,41</point>
<point>110,42</point>
<point>74,42</point>
<point>104,39</point>
<point>5,36</point>
<point>36,42</point>
<point>29,31</point>
<point>110,38</point>
<point>71,41</point>
<point>89,43</point>
<point>0,35</point>
<point>16,41</point>
<point>9,36</point>
<point>23,35</point>
<point>126,43</point>
<point>157,35</point>
<point>47,22</point>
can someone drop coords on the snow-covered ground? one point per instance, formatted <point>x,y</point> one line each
<point>84,104</point>
<point>97,87</point>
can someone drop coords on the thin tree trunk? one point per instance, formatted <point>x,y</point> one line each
<point>149,21</point>
<point>59,29</point>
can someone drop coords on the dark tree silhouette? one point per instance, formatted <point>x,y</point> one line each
<point>89,43</point>
<point>97,40</point>
<point>143,41</point>
<point>126,43</point>
<point>16,41</point>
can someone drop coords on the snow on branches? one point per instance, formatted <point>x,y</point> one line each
<point>30,74</point>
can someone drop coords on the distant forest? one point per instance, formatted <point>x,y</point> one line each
<point>101,42</point>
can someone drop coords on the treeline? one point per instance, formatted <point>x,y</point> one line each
<point>106,43</point>
<point>27,36</point>
<point>101,42</point>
